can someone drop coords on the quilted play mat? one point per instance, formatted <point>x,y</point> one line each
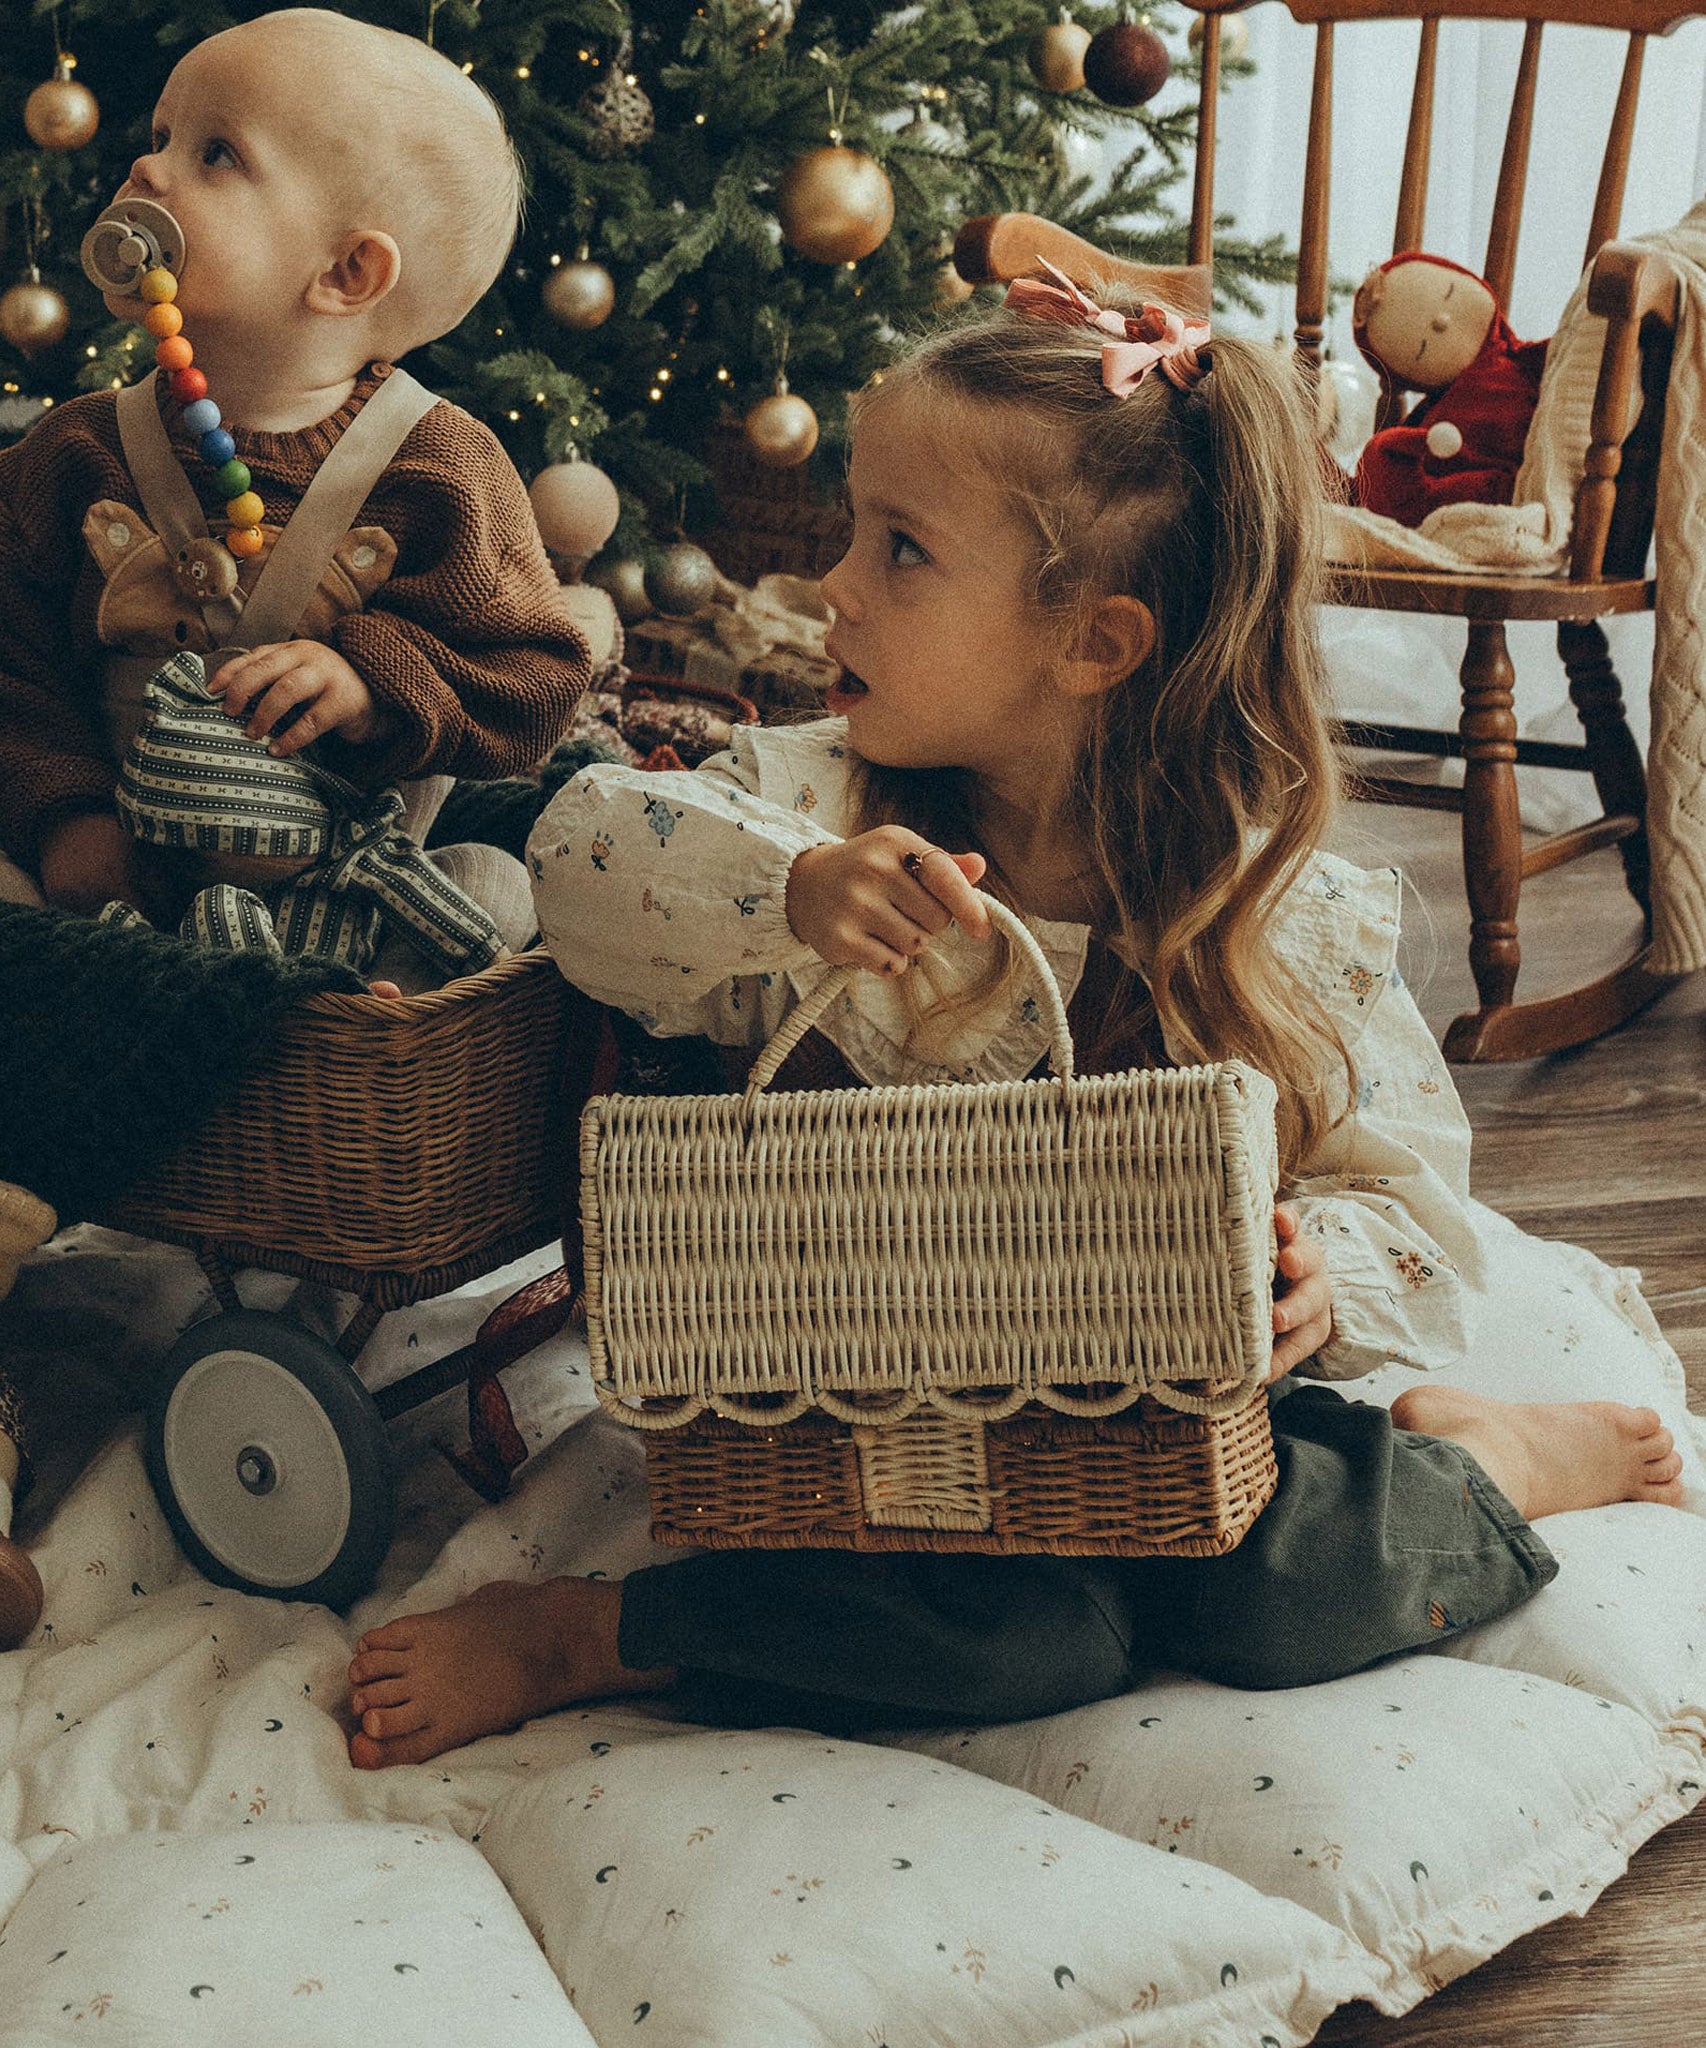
<point>186,1855</point>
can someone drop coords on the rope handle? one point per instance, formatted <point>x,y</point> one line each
<point>806,1013</point>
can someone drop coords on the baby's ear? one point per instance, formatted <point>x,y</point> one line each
<point>365,271</point>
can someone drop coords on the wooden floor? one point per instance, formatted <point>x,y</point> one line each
<point>1606,1147</point>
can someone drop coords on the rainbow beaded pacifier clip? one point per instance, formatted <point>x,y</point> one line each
<point>133,249</point>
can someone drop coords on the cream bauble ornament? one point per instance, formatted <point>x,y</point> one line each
<point>620,113</point>
<point>577,508</point>
<point>1234,37</point>
<point>1126,64</point>
<point>781,430</point>
<point>60,113</point>
<point>1057,54</point>
<point>33,315</point>
<point>835,204</point>
<point>950,289</point>
<point>625,580</point>
<point>776,17</point>
<point>579,294</point>
<point>682,579</point>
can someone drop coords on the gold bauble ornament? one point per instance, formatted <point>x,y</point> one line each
<point>1057,54</point>
<point>1234,36</point>
<point>60,113</point>
<point>579,294</point>
<point>835,204</point>
<point>781,430</point>
<point>625,580</point>
<point>576,506</point>
<point>33,316</point>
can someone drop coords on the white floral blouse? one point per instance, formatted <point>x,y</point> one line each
<point>663,895</point>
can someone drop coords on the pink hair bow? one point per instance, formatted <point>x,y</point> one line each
<point>1155,338</point>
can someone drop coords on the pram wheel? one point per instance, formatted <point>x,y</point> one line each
<point>271,1461</point>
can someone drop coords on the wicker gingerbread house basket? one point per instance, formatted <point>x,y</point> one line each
<point>1010,1316</point>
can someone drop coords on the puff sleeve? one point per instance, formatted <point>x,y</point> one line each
<point>665,894</point>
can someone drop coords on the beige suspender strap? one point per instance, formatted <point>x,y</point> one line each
<point>327,509</point>
<point>168,499</point>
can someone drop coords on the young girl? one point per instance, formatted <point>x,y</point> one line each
<point>1076,624</point>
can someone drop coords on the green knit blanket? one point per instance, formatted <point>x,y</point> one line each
<point>117,1045</point>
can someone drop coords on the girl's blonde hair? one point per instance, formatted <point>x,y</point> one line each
<point>1208,779</point>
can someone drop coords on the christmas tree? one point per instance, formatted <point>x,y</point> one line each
<point>709,228</point>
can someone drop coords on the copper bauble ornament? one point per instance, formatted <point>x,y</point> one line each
<point>1126,64</point>
<point>1234,37</point>
<point>625,580</point>
<point>835,204</point>
<point>61,114</point>
<point>620,114</point>
<point>1057,54</point>
<point>781,430</point>
<point>682,579</point>
<point>33,316</point>
<point>577,508</point>
<point>579,294</point>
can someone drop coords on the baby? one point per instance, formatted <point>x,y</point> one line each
<point>345,196</point>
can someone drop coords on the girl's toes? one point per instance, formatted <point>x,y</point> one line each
<point>365,1753</point>
<point>385,1724</point>
<point>373,1664</point>
<point>1663,1471</point>
<point>398,1635</point>
<point>405,1749</point>
<point>384,1692</point>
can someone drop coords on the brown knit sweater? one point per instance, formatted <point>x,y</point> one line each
<point>467,645</point>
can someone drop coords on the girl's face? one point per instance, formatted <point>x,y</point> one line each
<point>946,661</point>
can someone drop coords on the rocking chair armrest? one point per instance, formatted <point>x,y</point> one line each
<point>1631,282</point>
<point>1629,286</point>
<point>995,248</point>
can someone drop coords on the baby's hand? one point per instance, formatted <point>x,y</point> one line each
<point>1303,1295</point>
<point>878,900</point>
<point>305,681</point>
<point>87,860</point>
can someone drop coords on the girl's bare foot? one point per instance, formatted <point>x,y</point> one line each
<point>1547,1458</point>
<point>20,1594</point>
<point>432,1682</point>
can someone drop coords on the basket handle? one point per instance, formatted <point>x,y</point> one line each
<point>806,1013</point>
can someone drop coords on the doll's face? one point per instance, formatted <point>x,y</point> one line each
<point>1424,322</point>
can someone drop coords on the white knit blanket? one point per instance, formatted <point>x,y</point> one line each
<point>1531,536</point>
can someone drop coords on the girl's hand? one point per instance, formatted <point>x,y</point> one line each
<point>1303,1295</point>
<point>305,681</point>
<point>878,900</point>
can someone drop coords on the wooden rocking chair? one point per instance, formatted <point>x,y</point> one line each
<point>1635,289</point>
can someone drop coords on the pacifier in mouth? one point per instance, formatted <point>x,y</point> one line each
<point>130,238</point>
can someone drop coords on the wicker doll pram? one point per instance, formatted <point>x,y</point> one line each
<point>393,1149</point>
<point>1017,1316</point>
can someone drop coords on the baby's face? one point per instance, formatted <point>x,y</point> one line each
<point>252,166</point>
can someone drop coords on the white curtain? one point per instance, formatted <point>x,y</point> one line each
<point>1405,668</point>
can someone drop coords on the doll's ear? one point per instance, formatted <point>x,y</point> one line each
<point>1368,295</point>
<point>114,535</point>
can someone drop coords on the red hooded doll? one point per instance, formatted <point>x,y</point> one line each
<point>1429,325</point>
